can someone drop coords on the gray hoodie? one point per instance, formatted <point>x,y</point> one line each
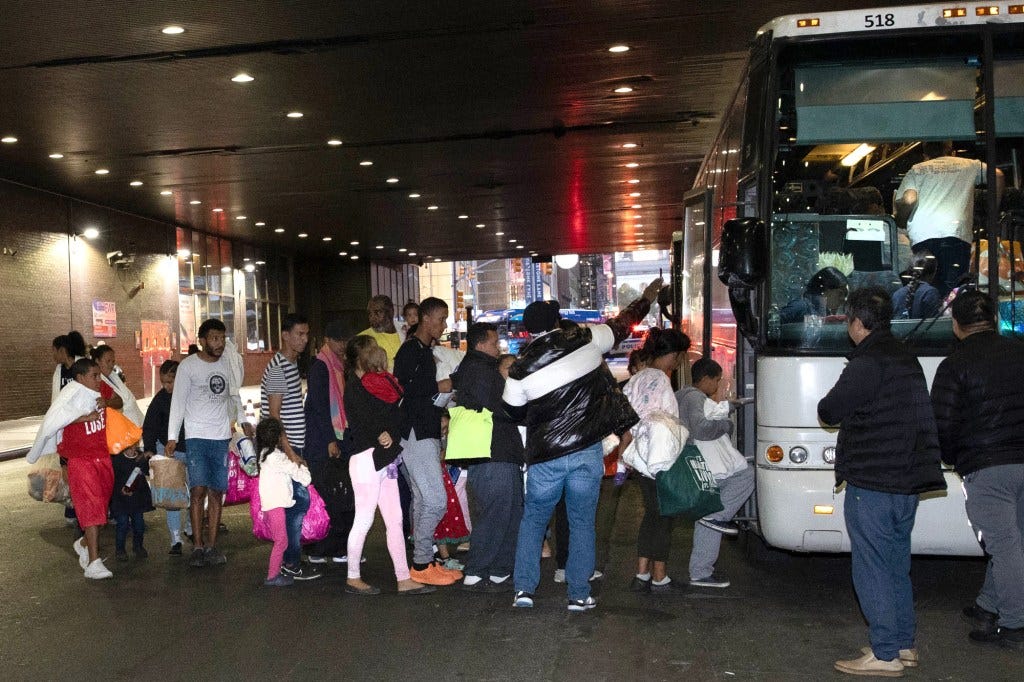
<point>691,415</point>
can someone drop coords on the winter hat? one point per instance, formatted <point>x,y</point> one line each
<point>541,316</point>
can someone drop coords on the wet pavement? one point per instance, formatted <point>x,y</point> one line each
<point>785,617</point>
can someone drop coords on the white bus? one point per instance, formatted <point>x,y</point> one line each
<point>831,113</point>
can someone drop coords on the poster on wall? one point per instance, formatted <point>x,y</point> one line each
<point>187,315</point>
<point>104,319</point>
<point>155,342</point>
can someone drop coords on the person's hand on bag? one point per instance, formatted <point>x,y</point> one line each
<point>248,430</point>
<point>169,448</point>
<point>333,450</point>
<point>385,439</point>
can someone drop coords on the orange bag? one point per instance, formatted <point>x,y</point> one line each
<point>122,433</point>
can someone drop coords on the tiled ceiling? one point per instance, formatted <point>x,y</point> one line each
<point>504,112</point>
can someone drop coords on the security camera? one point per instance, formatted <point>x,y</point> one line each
<point>113,257</point>
<point>119,259</point>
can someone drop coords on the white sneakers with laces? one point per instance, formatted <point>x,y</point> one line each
<point>97,571</point>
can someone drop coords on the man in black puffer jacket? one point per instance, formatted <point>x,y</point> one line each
<point>570,401</point>
<point>496,485</point>
<point>887,453</point>
<point>979,406</point>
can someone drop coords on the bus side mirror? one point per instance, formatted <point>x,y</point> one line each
<point>743,266</point>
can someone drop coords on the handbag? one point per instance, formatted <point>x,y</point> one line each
<point>722,458</point>
<point>46,480</point>
<point>315,523</point>
<point>469,434</point>
<point>122,432</point>
<point>240,484</point>
<point>168,484</point>
<point>688,488</point>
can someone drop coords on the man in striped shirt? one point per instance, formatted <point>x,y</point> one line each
<point>281,398</point>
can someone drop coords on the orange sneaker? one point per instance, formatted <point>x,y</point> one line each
<point>433,575</point>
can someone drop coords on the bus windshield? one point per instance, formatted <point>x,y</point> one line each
<point>849,125</point>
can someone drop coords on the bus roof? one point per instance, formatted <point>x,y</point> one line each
<point>893,18</point>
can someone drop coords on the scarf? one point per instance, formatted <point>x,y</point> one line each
<point>336,382</point>
<point>383,385</point>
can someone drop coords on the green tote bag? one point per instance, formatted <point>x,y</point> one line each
<point>688,488</point>
<point>469,434</point>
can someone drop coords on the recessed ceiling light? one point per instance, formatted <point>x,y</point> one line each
<point>102,171</point>
<point>379,246</point>
<point>634,181</point>
<point>56,156</point>
<point>261,262</point>
<point>249,267</point>
<point>279,230</point>
<point>327,239</point>
<point>391,181</point>
<point>499,234</point>
<point>172,30</point>
<point>195,202</point>
<point>246,260</point>
<point>354,257</point>
<point>354,243</point>
<point>366,163</point>
<point>437,260</point>
<point>226,268</point>
<point>637,216</point>
<point>632,164</point>
<point>302,235</point>
<point>480,225</point>
<point>242,78</point>
<point>136,183</point>
<point>512,241</point>
<point>619,48</point>
<point>294,114</point>
<point>639,241</point>
<point>629,145</point>
<point>638,206</point>
<point>334,142</point>
<point>432,207</point>
<point>638,225</point>
<point>414,195</point>
<point>634,194</point>
<point>91,233</point>
<point>623,90</point>
<point>241,217</point>
<point>343,253</point>
<point>218,210</point>
<point>260,224</point>
<point>463,216</point>
<point>519,246</point>
<point>9,139</point>
<point>412,253</point>
<point>402,250</point>
<point>166,193</point>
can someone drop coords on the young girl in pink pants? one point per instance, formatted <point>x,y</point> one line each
<point>277,472</point>
<point>372,395</point>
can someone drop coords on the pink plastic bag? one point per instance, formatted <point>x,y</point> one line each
<point>241,486</point>
<point>314,526</point>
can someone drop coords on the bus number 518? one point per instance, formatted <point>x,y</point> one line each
<point>879,20</point>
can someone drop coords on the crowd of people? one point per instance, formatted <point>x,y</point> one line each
<point>371,431</point>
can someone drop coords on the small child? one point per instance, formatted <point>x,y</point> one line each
<point>453,529</point>
<point>276,472</point>
<point>130,500</point>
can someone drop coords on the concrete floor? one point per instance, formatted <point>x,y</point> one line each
<point>787,618</point>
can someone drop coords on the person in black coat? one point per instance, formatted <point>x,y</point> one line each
<point>979,406</point>
<point>128,504</point>
<point>495,484</point>
<point>887,454</point>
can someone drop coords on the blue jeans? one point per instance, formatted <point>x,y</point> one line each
<point>130,521</point>
<point>578,475</point>
<point>293,517</point>
<point>952,261</point>
<point>879,525</point>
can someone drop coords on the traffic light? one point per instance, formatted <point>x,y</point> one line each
<point>545,268</point>
<point>517,265</point>
<point>459,300</point>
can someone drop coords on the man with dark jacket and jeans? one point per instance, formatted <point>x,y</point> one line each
<point>979,407</point>
<point>569,400</point>
<point>496,485</point>
<point>887,453</point>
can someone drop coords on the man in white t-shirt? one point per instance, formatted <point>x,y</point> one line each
<point>206,403</point>
<point>936,203</point>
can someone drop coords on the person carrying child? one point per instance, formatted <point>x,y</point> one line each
<point>372,395</point>
<point>277,472</point>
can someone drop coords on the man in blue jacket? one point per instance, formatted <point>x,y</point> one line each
<point>569,400</point>
<point>887,453</point>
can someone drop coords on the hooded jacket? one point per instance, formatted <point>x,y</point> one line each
<point>887,435</point>
<point>979,403</point>
<point>478,384</point>
<point>563,391</point>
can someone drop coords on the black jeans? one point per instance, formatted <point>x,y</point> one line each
<point>330,478</point>
<point>654,541</point>
<point>496,494</point>
<point>952,261</point>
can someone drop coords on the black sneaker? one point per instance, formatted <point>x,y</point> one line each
<point>983,619</point>
<point>671,588</point>
<point>175,549</point>
<point>723,527</point>
<point>300,573</point>
<point>121,555</point>
<point>140,552</point>
<point>711,581</point>
<point>523,600</point>
<point>198,558</point>
<point>1010,638</point>
<point>580,605</point>
<point>640,585</point>
<point>215,557</point>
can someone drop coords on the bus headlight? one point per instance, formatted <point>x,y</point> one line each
<point>798,454</point>
<point>773,454</point>
<point>829,454</point>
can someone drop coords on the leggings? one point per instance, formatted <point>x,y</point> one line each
<point>373,489</point>
<point>279,533</point>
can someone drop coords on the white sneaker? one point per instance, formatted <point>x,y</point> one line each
<point>82,551</point>
<point>560,575</point>
<point>97,571</point>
